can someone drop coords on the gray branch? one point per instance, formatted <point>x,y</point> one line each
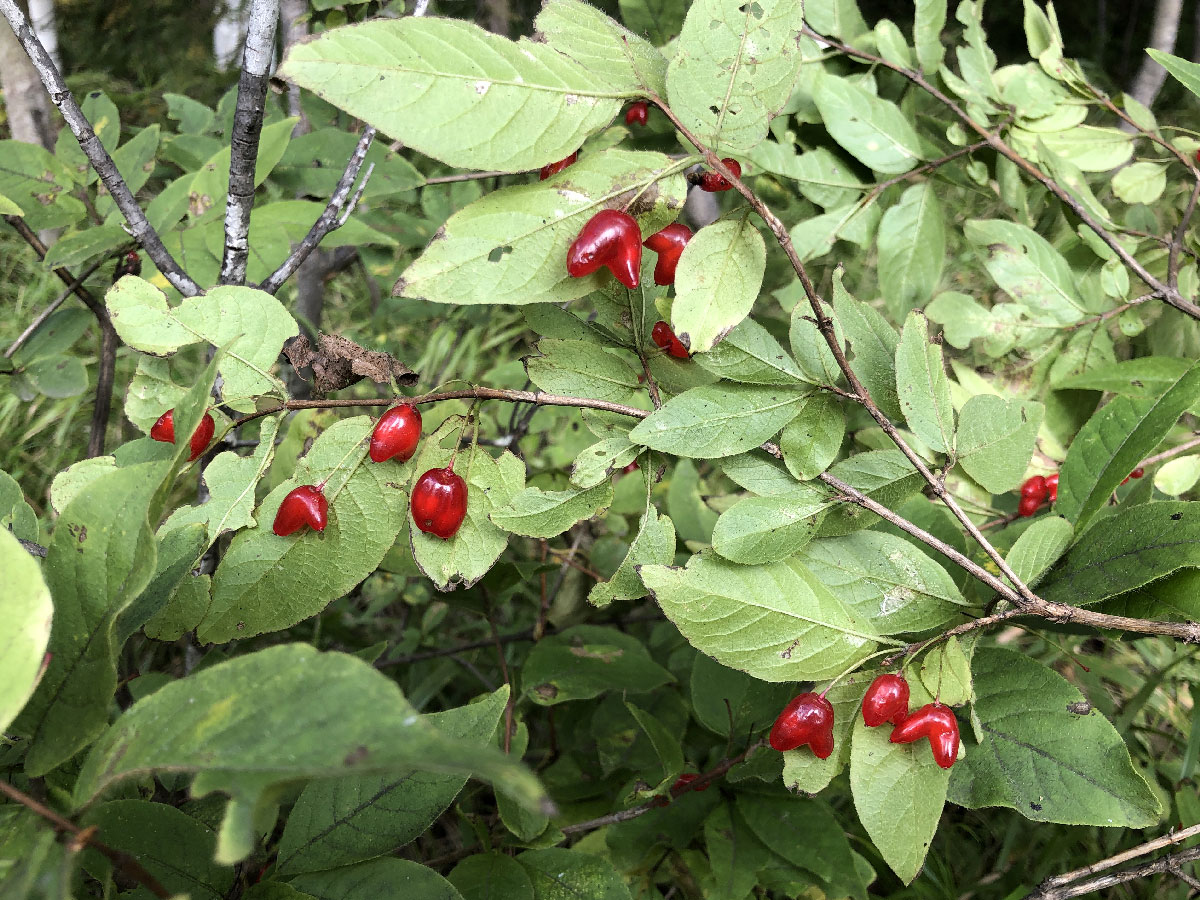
<point>1171,863</point>
<point>1163,32</point>
<point>139,225</point>
<point>332,217</point>
<point>247,127</point>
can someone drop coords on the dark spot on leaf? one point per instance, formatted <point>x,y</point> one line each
<point>498,253</point>
<point>546,691</point>
<point>1079,707</point>
<point>1036,807</point>
<point>1175,517</point>
<point>355,756</point>
<point>714,110</point>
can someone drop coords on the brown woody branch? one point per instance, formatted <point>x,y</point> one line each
<point>139,225</point>
<point>1062,888</point>
<point>86,837</point>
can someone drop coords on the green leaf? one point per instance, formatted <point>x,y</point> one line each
<point>805,832</point>
<point>171,845</point>
<point>896,782</point>
<point>885,580</point>
<point>718,279</point>
<point>544,514</point>
<point>101,556</point>
<point>249,324</point>
<point>717,420</point>
<point>1140,182</point>
<point>873,345</point>
<point>946,673</point>
<point>1039,547</point>
<point>996,438</point>
<point>813,439</point>
<point>598,462</point>
<point>692,517</point>
<point>924,389</point>
<point>961,316</point>
<point>266,583</point>
<point>1142,377</point>
<point>654,544</point>
<point>764,529</point>
<point>872,130</point>
<point>82,246</point>
<point>1114,440</point>
<point>580,369</point>
<point>478,543</point>
<point>280,715</point>
<point>211,180</point>
<point>750,354</point>
<point>375,879</point>
<point>775,622</point>
<point>1177,476</point>
<point>1185,72</point>
<point>16,515</point>
<point>586,661</point>
<point>56,376</point>
<point>838,18</point>
<point>338,821</point>
<point>885,476</point>
<point>491,876</point>
<point>929,20</point>
<point>666,747</point>
<point>39,184</point>
<point>561,874</point>
<point>510,246</point>
<point>735,854</point>
<point>730,703</point>
<point>178,553</point>
<point>25,614</point>
<point>733,69</point>
<point>452,91</point>
<point>1027,268</point>
<point>912,249</point>
<point>1045,752</point>
<point>613,55</point>
<point>1153,540</point>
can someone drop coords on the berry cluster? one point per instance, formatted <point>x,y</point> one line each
<point>439,498</point>
<point>1040,489</point>
<point>808,719</point>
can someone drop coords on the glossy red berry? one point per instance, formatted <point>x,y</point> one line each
<point>305,505</point>
<point>1052,487</point>
<point>1137,473</point>
<point>664,337</point>
<point>164,430</point>
<point>682,782</point>
<point>936,722</point>
<point>610,239</point>
<point>638,113</point>
<point>1028,506</point>
<point>396,434</point>
<point>668,244</point>
<point>807,719</point>
<point>714,182</point>
<point>556,167</point>
<point>886,700</point>
<point>439,502</point>
<point>1034,487</point>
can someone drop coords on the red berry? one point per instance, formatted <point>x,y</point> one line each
<point>632,467</point>
<point>1052,487</point>
<point>668,244</point>
<point>396,434</point>
<point>681,783</point>
<point>1028,506</point>
<point>664,337</point>
<point>886,699</point>
<point>1034,487</point>
<point>439,502</point>
<point>610,239</point>
<point>1137,473</point>
<point>936,722</point>
<point>807,719</point>
<point>164,430</point>
<point>714,182</point>
<point>556,167</point>
<point>638,113</point>
<point>129,264</point>
<point>305,505</point>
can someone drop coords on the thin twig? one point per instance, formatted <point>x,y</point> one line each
<point>526,635</point>
<point>1177,240</point>
<point>1166,840</point>
<point>463,176</point>
<point>825,326</point>
<point>1168,293</point>
<point>86,837</point>
<point>1168,864</point>
<point>328,220</point>
<point>139,225</point>
<point>247,128</point>
<point>52,308</point>
<point>1169,454</point>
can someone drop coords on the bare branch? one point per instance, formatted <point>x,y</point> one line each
<point>139,225</point>
<point>1167,864</point>
<point>1166,840</point>
<point>32,548</point>
<point>329,218</point>
<point>247,127</point>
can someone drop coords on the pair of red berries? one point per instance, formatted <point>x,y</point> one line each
<point>1036,491</point>
<point>164,430</point>
<point>808,719</point>
<point>439,498</point>
<point>612,239</point>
